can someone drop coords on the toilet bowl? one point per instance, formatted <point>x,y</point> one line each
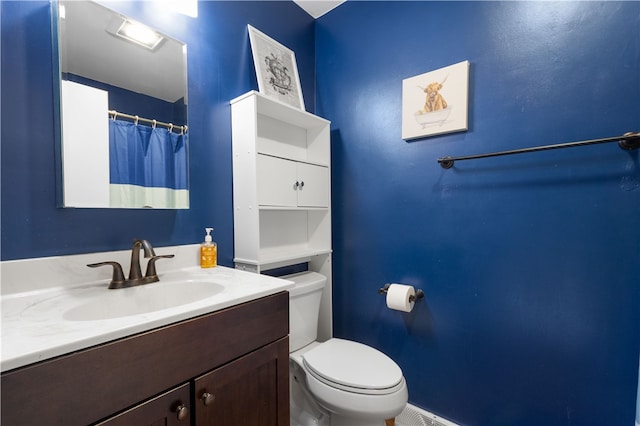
<point>338,382</point>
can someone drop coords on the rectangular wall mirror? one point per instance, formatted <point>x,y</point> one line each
<point>122,111</point>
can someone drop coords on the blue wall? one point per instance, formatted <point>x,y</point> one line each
<point>219,68</point>
<point>530,263</point>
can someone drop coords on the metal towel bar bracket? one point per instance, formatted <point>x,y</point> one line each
<point>628,141</point>
<point>419,293</point>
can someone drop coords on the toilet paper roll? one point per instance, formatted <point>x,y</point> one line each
<point>398,297</point>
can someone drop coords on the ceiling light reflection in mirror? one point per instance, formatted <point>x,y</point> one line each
<point>139,34</point>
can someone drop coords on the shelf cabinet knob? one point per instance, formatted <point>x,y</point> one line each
<point>207,398</point>
<point>182,411</point>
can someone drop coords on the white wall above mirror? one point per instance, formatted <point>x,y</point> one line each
<point>123,112</point>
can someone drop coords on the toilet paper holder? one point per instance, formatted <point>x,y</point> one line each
<point>419,293</point>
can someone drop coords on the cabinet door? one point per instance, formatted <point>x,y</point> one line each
<point>169,409</point>
<point>313,185</point>
<point>250,391</point>
<point>287,183</point>
<point>276,181</point>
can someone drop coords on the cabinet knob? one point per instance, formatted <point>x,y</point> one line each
<point>207,398</point>
<point>301,184</point>
<point>182,411</point>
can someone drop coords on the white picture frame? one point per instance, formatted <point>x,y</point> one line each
<point>276,69</point>
<point>436,102</point>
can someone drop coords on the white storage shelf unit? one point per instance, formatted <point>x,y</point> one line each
<point>281,187</point>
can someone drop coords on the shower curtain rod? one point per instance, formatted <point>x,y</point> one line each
<point>628,141</point>
<point>115,114</point>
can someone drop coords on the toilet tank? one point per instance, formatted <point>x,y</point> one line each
<point>304,307</point>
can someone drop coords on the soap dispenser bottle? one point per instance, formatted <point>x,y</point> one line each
<point>208,251</point>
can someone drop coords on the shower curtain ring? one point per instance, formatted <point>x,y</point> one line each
<point>170,127</point>
<point>137,118</point>
<point>154,123</point>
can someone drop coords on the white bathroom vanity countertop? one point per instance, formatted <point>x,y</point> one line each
<point>47,322</point>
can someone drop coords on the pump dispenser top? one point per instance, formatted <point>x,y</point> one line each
<point>208,251</point>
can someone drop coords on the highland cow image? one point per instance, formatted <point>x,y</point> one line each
<point>435,102</point>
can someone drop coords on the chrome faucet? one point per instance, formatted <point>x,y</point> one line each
<point>135,272</point>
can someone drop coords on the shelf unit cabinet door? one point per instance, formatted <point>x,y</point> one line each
<point>276,181</point>
<point>250,391</point>
<point>313,188</point>
<point>169,409</point>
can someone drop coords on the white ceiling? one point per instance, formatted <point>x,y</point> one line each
<point>317,8</point>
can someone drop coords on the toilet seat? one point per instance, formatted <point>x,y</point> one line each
<point>353,367</point>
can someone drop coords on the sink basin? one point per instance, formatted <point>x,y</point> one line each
<point>141,299</point>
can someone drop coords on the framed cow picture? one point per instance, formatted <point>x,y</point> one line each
<point>436,102</point>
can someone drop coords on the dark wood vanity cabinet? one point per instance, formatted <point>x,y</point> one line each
<point>230,367</point>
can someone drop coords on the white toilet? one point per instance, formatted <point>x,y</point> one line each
<point>337,382</point>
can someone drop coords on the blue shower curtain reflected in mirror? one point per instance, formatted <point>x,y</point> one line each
<point>148,166</point>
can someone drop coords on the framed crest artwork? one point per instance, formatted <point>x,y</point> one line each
<point>276,69</point>
<point>436,102</point>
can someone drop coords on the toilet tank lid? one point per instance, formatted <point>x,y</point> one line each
<point>305,282</point>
